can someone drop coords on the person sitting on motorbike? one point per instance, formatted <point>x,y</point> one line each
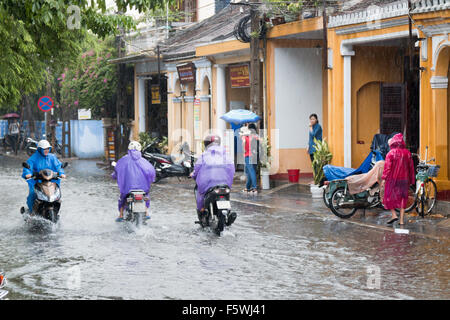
<point>133,172</point>
<point>40,160</point>
<point>212,168</point>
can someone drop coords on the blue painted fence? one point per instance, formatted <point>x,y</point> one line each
<point>87,136</point>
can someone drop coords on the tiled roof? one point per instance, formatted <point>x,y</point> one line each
<point>216,28</point>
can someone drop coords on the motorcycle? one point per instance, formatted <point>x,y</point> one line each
<point>135,208</point>
<point>48,194</point>
<point>217,212</point>
<point>166,166</point>
<point>344,205</point>
<point>31,145</point>
<point>3,293</point>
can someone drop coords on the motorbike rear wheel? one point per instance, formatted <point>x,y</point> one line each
<point>343,213</point>
<point>220,223</point>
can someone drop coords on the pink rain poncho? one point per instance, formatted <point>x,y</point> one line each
<point>212,168</point>
<point>398,174</point>
<point>133,172</point>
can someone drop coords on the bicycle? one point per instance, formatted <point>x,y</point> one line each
<point>424,194</point>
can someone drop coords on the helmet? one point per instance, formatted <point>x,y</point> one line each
<point>134,145</point>
<point>44,144</point>
<point>212,139</point>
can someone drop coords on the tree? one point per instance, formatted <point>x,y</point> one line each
<point>36,37</point>
<point>90,81</point>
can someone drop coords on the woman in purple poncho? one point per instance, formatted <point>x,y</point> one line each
<point>133,172</point>
<point>212,168</point>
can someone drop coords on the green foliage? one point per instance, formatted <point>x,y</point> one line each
<point>265,158</point>
<point>145,140</point>
<point>36,39</point>
<point>90,81</point>
<point>322,157</point>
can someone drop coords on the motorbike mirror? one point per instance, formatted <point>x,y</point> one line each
<point>25,165</point>
<point>65,164</point>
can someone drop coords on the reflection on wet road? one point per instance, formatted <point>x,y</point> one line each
<point>266,254</point>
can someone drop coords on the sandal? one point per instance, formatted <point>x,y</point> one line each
<point>392,220</point>
<point>245,190</point>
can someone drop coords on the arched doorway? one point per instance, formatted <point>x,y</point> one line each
<point>365,121</point>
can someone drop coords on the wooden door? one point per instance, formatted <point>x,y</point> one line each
<point>392,108</point>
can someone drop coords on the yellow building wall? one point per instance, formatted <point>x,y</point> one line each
<point>371,66</point>
<point>435,113</point>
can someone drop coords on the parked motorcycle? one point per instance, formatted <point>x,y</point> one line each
<point>217,212</point>
<point>31,144</point>
<point>48,194</point>
<point>344,205</point>
<point>166,166</point>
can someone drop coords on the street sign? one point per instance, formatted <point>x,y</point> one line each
<point>45,103</point>
<point>84,114</point>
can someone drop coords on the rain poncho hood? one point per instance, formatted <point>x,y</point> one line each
<point>134,172</point>
<point>38,161</point>
<point>398,173</point>
<point>213,168</point>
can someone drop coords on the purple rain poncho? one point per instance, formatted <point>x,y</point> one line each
<point>212,168</point>
<point>133,172</point>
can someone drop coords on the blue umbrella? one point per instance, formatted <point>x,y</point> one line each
<point>240,116</point>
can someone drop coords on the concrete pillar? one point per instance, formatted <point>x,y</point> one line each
<point>221,89</point>
<point>141,92</point>
<point>347,54</point>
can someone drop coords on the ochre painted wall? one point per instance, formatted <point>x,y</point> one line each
<point>370,67</point>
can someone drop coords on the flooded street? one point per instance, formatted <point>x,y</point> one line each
<point>266,254</point>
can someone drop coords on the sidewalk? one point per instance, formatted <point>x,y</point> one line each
<point>297,198</point>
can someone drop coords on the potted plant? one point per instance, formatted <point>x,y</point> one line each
<point>265,163</point>
<point>322,157</point>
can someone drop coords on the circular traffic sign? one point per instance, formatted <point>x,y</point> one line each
<point>45,103</point>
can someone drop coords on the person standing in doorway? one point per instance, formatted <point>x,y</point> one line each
<point>250,140</point>
<point>398,175</point>
<point>13,132</point>
<point>315,131</point>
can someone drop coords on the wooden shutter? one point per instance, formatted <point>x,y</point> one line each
<point>392,108</point>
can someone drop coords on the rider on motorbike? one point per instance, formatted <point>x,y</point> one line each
<point>40,160</point>
<point>212,168</point>
<point>133,172</point>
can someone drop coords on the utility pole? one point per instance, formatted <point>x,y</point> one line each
<point>255,65</point>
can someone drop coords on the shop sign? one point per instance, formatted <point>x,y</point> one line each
<point>155,94</point>
<point>239,76</point>
<point>186,73</point>
<point>84,114</point>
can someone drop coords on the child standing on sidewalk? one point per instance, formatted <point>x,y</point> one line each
<point>398,175</point>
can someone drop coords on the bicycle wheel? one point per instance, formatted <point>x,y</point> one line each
<point>421,203</point>
<point>430,195</point>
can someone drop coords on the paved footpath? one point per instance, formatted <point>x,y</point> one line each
<point>297,199</point>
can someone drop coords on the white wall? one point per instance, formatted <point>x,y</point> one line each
<point>205,9</point>
<point>298,93</point>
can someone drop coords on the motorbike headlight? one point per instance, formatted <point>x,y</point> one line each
<point>187,164</point>
<point>227,190</point>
